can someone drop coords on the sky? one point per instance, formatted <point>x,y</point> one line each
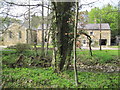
<point>20,10</point>
<point>98,3</point>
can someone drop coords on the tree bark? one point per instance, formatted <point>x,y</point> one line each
<point>42,29</point>
<point>47,33</point>
<point>89,38</point>
<point>74,45</point>
<point>61,26</point>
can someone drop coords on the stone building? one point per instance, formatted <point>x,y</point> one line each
<point>17,33</point>
<point>94,31</point>
<point>20,34</point>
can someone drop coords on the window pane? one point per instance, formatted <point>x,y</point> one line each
<point>10,34</point>
<point>20,36</point>
<point>91,33</point>
<point>84,41</point>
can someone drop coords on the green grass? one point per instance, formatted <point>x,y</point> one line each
<point>102,57</point>
<point>50,46</point>
<point>114,46</point>
<point>46,78</point>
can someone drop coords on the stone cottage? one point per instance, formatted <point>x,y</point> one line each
<point>17,33</point>
<point>94,31</point>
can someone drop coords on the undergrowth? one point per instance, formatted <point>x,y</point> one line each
<point>46,78</point>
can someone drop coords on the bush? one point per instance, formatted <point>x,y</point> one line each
<point>20,48</point>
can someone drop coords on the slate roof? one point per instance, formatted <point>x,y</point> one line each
<point>104,26</point>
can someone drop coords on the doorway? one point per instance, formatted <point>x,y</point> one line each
<point>102,41</point>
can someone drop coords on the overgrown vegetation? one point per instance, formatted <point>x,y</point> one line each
<point>46,78</point>
<point>99,57</point>
<point>25,59</point>
<point>32,75</point>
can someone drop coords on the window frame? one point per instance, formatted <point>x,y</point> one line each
<point>10,34</point>
<point>19,34</point>
<point>84,42</point>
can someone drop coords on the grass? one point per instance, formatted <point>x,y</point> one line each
<point>114,46</point>
<point>102,57</point>
<point>50,46</point>
<point>46,78</point>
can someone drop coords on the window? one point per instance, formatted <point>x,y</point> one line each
<point>20,36</point>
<point>84,41</point>
<point>91,33</point>
<point>92,41</point>
<point>10,34</point>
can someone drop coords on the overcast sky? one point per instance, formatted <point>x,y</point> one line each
<point>98,3</point>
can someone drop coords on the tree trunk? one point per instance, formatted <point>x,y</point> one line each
<point>31,40</point>
<point>74,46</point>
<point>90,49</point>
<point>47,44</point>
<point>47,33</point>
<point>69,58</point>
<point>27,36</point>
<point>61,26</point>
<point>89,38</point>
<point>42,28</point>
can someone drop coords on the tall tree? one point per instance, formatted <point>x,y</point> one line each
<point>62,13</point>
<point>108,14</point>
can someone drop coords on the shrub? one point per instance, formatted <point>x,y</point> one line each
<point>22,47</point>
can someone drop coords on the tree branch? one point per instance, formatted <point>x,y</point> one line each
<point>86,4</point>
<point>12,3</point>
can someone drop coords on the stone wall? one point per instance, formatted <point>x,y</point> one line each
<point>18,35</point>
<point>14,38</point>
<point>105,34</point>
<point>39,36</point>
